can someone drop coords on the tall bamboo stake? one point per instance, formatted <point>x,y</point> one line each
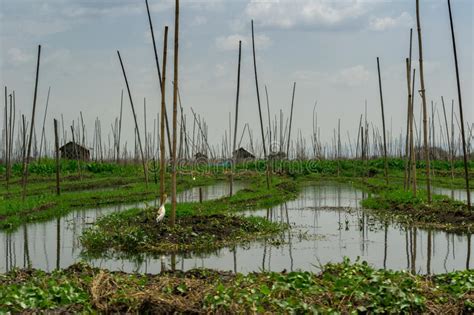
<point>412,144</point>
<point>383,123</point>
<point>236,120</point>
<point>158,71</point>
<point>291,120</point>
<point>423,97</point>
<point>145,168</point>
<point>407,155</point>
<point>27,160</point>
<point>175,114</point>
<point>44,123</point>
<point>56,147</point>
<point>451,157</point>
<point>120,127</point>
<point>162,119</point>
<point>259,107</point>
<point>461,117</point>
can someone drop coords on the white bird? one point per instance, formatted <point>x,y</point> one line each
<point>161,210</point>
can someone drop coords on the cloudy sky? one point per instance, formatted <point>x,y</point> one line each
<point>328,48</point>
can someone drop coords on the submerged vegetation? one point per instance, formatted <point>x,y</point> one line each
<point>339,288</point>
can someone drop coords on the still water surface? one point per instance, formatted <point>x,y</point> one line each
<point>327,224</point>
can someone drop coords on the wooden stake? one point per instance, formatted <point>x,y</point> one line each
<point>291,120</point>
<point>259,107</point>
<point>423,97</point>
<point>236,120</point>
<point>162,119</point>
<point>175,114</point>
<point>461,117</point>
<point>145,168</point>
<point>28,152</point>
<point>383,123</point>
<point>56,147</point>
<point>158,70</point>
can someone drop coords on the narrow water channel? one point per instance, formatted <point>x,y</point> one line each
<point>327,225</point>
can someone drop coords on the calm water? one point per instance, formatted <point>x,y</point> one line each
<point>47,245</point>
<point>456,194</point>
<point>327,224</point>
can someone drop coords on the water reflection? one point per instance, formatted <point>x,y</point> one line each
<point>456,194</point>
<point>55,244</point>
<point>327,224</point>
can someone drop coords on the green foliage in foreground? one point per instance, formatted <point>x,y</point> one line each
<point>340,288</point>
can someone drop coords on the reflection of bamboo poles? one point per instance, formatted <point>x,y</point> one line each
<point>26,248</point>
<point>58,243</point>
<point>428,253</point>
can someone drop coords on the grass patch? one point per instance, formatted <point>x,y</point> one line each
<point>192,233</point>
<point>402,206</point>
<point>200,227</point>
<point>339,288</point>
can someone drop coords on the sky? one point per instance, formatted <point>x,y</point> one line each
<point>329,48</point>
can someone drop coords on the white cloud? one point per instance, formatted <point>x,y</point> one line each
<point>231,42</point>
<point>386,23</point>
<point>17,57</point>
<point>288,14</point>
<point>355,76</point>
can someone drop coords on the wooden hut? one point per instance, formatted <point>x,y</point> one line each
<point>277,155</point>
<point>74,151</point>
<point>200,156</point>
<point>242,154</point>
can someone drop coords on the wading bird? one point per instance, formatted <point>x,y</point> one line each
<point>161,210</point>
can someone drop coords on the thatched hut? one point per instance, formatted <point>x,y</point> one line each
<point>277,155</point>
<point>242,154</point>
<point>74,151</point>
<point>199,156</point>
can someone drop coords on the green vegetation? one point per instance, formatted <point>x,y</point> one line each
<point>200,226</point>
<point>340,288</point>
<point>402,206</point>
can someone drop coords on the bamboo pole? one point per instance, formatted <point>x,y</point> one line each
<point>412,144</point>
<point>409,127</point>
<point>162,119</point>
<point>236,120</point>
<point>461,117</point>
<point>407,161</point>
<point>27,160</point>
<point>423,98</point>
<point>259,107</point>
<point>383,123</point>
<point>451,157</point>
<point>175,114</point>
<point>44,123</point>
<point>56,147</point>
<point>158,71</point>
<point>291,120</point>
<point>145,168</point>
